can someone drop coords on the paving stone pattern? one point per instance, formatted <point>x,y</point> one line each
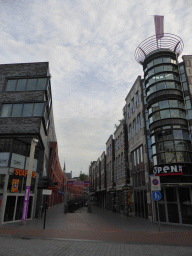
<point>54,247</point>
<point>98,233</point>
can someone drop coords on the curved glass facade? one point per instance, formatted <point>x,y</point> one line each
<point>170,143</point>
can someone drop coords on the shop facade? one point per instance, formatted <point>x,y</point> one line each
<point>25,114</point>
<point>13,193</point>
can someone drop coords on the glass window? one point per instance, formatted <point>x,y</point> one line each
<point>185,135</point>
<point>161,76</point>
<point>173,103</point>
<point>139,122</point>
<point>167,67</point>
<point>178,134</point>
<point>41,85</point>
<point>161,158</point>
<point>151,72</point>
<point>129,111</point>
<point>170,85</point>
<point>167,135</point>
<point>137,99</point>
<point>182,114</point>
<point>152,139</point>
<point>152,80</point>
<point>159,136</point>
<point>157,61</point>
<point>180,156</point>
<point>163,104</point>
<point>170,157</point>
<point>176,77</point>
<point>38,109</point>
<point>134,126</point>
<point>169,76</point>
<point>173,61</point>
<point>181,145</point>
<point>21,83</point>
<point>153,89</point>
<point>150,111</point>
<point>154,160</point>
<point>11,84</point>
<point>156,116</point>
<point>6,110</point>
<point>160,147</point>
<point>28,109</point>
<point>31,84</point>
<point>17,109</point>
<point>165,114</point>
<point>155,107</point>
<point>133,106</point>
<point>174,68</point>
<point>161,86</point>
<point>182,69</point>
<point>190,114</point>
<point>188,104</point>
<point>154,149</point>
<point>185,86</point>
<point>174,112</point>
<point>169,146</point>
<point>158,69</point>
<point>166,127</point>
<point>178,86</point>
<point>166,60</point>
<point>181,104</point>
<point>183,78</point>
<point>150,64</point>
<point>130,132</point>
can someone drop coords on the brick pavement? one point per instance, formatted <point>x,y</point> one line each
<point>100,225</point>
<point>55,247</point>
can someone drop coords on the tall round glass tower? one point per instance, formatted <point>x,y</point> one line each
<point>167,116</point>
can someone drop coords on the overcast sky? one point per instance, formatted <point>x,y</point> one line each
<point>90,47</point>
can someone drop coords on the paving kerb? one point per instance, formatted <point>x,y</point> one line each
<point>95,226</point>
<point>44,247</point>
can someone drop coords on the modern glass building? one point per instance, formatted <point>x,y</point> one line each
<point>165,83</point>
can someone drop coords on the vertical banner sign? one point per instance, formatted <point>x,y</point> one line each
<point>15,185</point>
<point>25,203</point>
<point>159,26</point>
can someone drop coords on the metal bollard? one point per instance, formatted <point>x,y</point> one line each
<point>89,208</point>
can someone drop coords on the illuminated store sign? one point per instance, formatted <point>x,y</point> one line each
<point>17,161</point>
<point>4,159</point>
<point>23,173</point>
<point>168,170</point>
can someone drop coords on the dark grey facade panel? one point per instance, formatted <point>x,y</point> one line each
<point>168,121</point>
<point>24,69</point>
<point>20,125</point>
<point>164,94</point>
<point>14,97</point>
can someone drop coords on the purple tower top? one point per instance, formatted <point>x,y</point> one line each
<point>151,44</point>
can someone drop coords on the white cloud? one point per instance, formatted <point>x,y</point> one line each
<point>90,46</point>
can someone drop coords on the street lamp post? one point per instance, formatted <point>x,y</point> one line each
<point>28,181</point>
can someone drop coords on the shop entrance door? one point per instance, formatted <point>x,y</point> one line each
<point>175,205</point>
<point>14,208</point>
<point>185,198</point>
